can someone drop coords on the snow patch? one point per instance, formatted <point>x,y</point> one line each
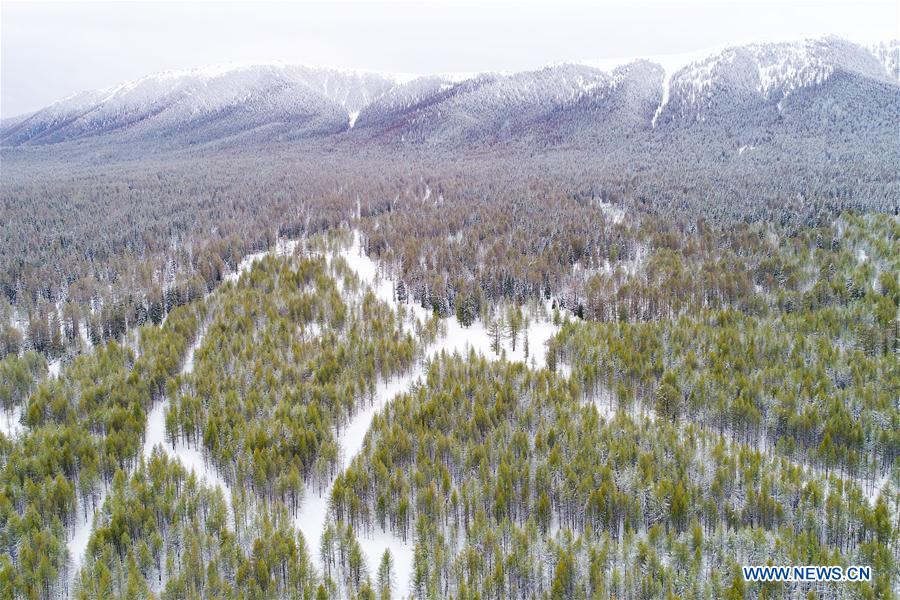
<point>193,458</point>
<point>314,513</point>
<point>615,213</point>
<point>53,367</point>
<point>11,421</point>
<point>313,516</point>
<point>667,80</point>
<point>282,247</point>
<point>81,533</point>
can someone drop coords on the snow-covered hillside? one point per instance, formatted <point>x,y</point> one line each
<point>889,55</point>
<point>284,102</point>
<point>488,104</point>
<point>766,72</point>
<point>228,99</point>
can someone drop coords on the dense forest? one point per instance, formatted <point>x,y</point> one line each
<point>512,486</point>
<point>80,430</point>
<point>90,253</point>
<point>713,396</point>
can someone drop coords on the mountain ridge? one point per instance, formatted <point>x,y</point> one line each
<point>237,104</point>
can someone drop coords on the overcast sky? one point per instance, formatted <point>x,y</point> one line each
<point>50,50</point>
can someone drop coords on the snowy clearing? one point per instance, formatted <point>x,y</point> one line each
<point>81,532</point>
<point>314,513</point>
<point>10,421</point>
<point>192,458</point>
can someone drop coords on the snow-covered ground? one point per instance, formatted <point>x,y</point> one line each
<point>53,367</point>
<point>878,485</point>
<point>282,247</point>
<point>155,435</point>
<point>191,457</point>
<point>605,402</point>
<point>455,338</point>
<point>314,512</point>
<point>615,213</point>
<point>368,271</point>
<point>81,533</point>
<point>10,421</point>
<point>83,334</point>
<point>313,515</point>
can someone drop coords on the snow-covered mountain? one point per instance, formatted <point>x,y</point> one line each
<point>205,104</point>
<point>765,73</point>
<point>488,105</point>
<point>758,85</point>
<point>827,82</point>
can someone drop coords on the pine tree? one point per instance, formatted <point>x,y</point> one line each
<point>386,576</point>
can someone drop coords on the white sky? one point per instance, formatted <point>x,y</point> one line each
<point>50,50</point>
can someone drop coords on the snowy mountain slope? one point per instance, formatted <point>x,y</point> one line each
<point>748,77</point>
<point>735,89</point>
<point>615,111</point>
<point>739,92</point>
<point>488,105</point>
<point>217,101</point>
<point>889,55</point>
<point>407,98</point>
